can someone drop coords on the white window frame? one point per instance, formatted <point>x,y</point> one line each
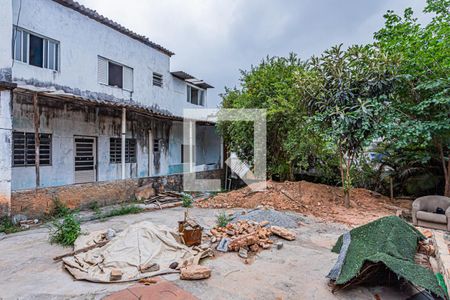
<point>124,69</point>
<point>188,94</point>
<point>46,44</point>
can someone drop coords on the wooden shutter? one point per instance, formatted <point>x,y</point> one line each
<point>127,78</point>
<point>102,70</point>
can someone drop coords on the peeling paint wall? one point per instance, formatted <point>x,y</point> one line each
<point>82,40</point>
<point>66,120</point>
<point>5,152</point>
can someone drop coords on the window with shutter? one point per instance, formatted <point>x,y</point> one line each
<point>102,70</point>
<point>24,149</point>
<point>127,78</point>
<point>157,80</point>
<point>115,150</point>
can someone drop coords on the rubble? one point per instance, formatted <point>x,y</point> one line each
<point>247,237</point>
<point>283,233</point>
<point>195,272</point>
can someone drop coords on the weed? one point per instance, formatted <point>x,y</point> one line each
<point>223,219</point>
<point>59,209</point>
<point>123,210</point>
<point>7,226</point>
<point>65,232</point>
<point>96,208</point>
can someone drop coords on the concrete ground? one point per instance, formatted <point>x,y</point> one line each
<point>297,271</point>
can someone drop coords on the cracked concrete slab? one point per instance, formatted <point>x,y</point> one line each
<point>297,271</point>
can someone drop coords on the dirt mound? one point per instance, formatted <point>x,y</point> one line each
<point>319,200</point>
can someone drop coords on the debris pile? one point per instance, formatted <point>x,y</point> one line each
<point>244,236</point>
<point>319,200</point>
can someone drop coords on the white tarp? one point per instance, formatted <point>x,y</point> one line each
<point>141,243</point>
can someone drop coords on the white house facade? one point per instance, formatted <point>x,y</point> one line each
<point>93,100</point>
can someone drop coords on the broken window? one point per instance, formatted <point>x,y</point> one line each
<point>24,149</point>
<point>195,96</point>
<point>115,150</point>
<point>157,79</point>
<point>114,74</point>
<point>35,50</point>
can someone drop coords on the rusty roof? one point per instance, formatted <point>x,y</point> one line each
<point>110,23</point>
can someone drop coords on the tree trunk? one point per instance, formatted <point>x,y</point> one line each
<point>446,169</point>
<point>447,179</point>
<point>347,198</point>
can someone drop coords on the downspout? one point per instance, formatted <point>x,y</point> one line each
<point>124,131</point>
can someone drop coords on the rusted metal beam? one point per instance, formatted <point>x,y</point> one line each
<point>37,141</point>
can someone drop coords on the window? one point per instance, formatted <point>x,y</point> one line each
<point>115,74</point>
<point>195,96</point>
<point>35,50</point>
<point>155,145</point>
<point>157,79</point>
<point>115,150</point>
<point>24,150</point>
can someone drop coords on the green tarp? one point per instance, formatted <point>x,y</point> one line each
<point>390,241</point>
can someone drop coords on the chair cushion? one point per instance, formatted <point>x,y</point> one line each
<point>431,217</point>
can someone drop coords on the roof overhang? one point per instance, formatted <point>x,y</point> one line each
<point>191,79</point>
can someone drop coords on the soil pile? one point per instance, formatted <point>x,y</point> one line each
<point>319,200</point>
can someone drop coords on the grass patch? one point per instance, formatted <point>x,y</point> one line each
<point>65,231</point>
<point>223,219</point>
<point>123,210</point>
<point>7,226</point>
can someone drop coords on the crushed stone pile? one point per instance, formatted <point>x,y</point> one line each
<point>319,200</point>
<point>274,217</point>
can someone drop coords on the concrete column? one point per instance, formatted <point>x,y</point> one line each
<point>6,28</point>
<point>124,132</point>
<point>5,152</point>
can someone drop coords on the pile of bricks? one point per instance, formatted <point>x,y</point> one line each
<point>249,236</point>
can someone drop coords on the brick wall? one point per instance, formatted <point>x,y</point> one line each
<point>35,203</point>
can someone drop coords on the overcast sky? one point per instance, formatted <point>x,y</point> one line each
<point>214,39</point>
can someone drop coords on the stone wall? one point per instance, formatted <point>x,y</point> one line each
<point>35,203</point>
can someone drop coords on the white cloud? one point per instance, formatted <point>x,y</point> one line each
<point>213,39</point>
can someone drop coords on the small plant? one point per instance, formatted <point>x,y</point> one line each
<point>123,210</point>
<point>187,201</point>
<point>59,209</point>
<point>65,232</point>
<point>95,207</point>
<point>7,226</point>
<point>223,219</point>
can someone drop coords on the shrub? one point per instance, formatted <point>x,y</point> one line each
<point>223,219</point>
<point>65,232</point>
<point>7,226</point>
<point>59,209</point>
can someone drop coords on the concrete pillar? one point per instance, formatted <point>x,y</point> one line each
<point>6,27</point>
<point>5,151</point>
<point>124,133</point>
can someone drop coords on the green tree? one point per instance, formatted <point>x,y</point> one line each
<point>270,86</point>
<point>420,116</point>
<point>348,92</point>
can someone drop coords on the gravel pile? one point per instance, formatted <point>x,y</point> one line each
<point>275,218</point>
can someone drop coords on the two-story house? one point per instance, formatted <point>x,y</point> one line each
<point>88,105</point>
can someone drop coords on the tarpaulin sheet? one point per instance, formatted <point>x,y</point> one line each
<point>141,243</point>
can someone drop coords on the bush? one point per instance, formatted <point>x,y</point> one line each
<point>7,226</point>
<point>59,209</point>
<point>223,219</point>
<point>65,232</point>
